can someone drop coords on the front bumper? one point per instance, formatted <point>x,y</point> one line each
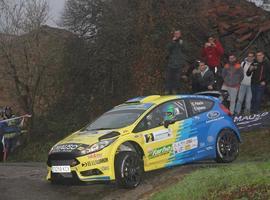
<point>92,167</point>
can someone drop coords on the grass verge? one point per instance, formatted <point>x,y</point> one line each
<point>227,182</point>
<point>247,178</point>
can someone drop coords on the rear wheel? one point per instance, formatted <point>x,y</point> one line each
<point>227,146</point>
<point>128,169</point>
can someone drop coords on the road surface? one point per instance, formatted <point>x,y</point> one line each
<point>26,181</point>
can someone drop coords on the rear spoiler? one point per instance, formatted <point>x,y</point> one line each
<point>222,94</point>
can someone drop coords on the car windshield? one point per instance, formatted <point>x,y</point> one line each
<point>115,119</point>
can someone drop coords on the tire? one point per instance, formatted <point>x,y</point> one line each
<point>128,169</point>
<point>227,146</point>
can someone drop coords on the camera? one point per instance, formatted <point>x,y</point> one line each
<point>255,65</point>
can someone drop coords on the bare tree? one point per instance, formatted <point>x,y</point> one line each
<point>83,16</point>
<point>20,23</point>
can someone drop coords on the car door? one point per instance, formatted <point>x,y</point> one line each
<point>198,109</point>
<point>157,139</point>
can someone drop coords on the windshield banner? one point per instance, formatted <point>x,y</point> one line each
<point>252,122</point>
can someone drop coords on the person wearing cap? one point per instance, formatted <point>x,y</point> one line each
<point>232,74</point>
<point>211,54</point>
<point>202,78</point>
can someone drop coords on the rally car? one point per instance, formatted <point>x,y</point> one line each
<point>144,134</point>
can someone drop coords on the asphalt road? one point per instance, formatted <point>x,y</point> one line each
<point>26,181</point>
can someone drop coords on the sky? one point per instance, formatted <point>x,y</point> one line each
<point>56,9</point>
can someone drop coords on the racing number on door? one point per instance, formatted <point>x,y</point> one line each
<point>149,137</point>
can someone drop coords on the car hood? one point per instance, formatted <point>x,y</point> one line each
<point>82,139</point>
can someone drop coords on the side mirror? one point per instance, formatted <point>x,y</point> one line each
<point>168,122</point>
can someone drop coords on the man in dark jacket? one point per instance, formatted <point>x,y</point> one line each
<point>260,77</point>
<point>175,63</point>
<point>202,78</point>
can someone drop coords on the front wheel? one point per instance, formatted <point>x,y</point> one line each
<point>227,146</point>
<point>128,169</point>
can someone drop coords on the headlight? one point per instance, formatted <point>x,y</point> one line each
<point>96,147</point>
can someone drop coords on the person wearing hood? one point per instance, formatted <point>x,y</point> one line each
<point>232,74</point>
<point>245,93</point>
<point>202,78</point>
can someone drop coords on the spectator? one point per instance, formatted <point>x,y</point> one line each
<point>175,63</point>
<point>212,53</point>
<point>202,78</point>
<point>245,93</point>
<point>10,129</point>
<point>260,77</point>
<point>232,74</point>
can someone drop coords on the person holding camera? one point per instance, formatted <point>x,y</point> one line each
<point>260,77</point>
<point>175,63</point>
<point>211,54</point>
<point>245,93</point>
<point>202,78</point>
<point>232,74</point>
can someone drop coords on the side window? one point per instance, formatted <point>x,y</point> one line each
<point>200,105</point>
<point>174,110</point>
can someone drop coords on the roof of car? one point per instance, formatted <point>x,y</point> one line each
<point>157,99</point>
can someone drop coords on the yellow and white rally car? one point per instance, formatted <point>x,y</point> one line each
<point>144,134</point>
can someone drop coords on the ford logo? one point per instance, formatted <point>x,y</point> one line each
<point>213,115</point>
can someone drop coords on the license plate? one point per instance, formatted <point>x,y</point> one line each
<point>61,169</point>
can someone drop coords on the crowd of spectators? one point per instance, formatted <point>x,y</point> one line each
<point>245,80</point>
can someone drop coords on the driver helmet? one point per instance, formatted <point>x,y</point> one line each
<point>169,112</point>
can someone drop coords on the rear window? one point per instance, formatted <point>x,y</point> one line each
<point>200,105</point>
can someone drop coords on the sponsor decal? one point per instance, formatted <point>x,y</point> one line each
<point>249,118</point>
<point>198,106</point>
<point>213,115</point>
<point>197,103</point>
<point>104,168</point>
<point>65,148</point>
<point>95,156</point>
<point>213,120</point>
<point>149,137</point>
<point>185,145</point>
<point>94,162</point>
<point>249,122</point>
<point>158,136</point>
<point>138,135</point>
<point>160,151</point>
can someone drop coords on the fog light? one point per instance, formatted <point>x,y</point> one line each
<point>91,172</point>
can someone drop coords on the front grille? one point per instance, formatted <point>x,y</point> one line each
<point>61,162</point>
<point>58,159</point>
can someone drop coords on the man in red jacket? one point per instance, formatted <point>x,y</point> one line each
<point>212,53</point>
